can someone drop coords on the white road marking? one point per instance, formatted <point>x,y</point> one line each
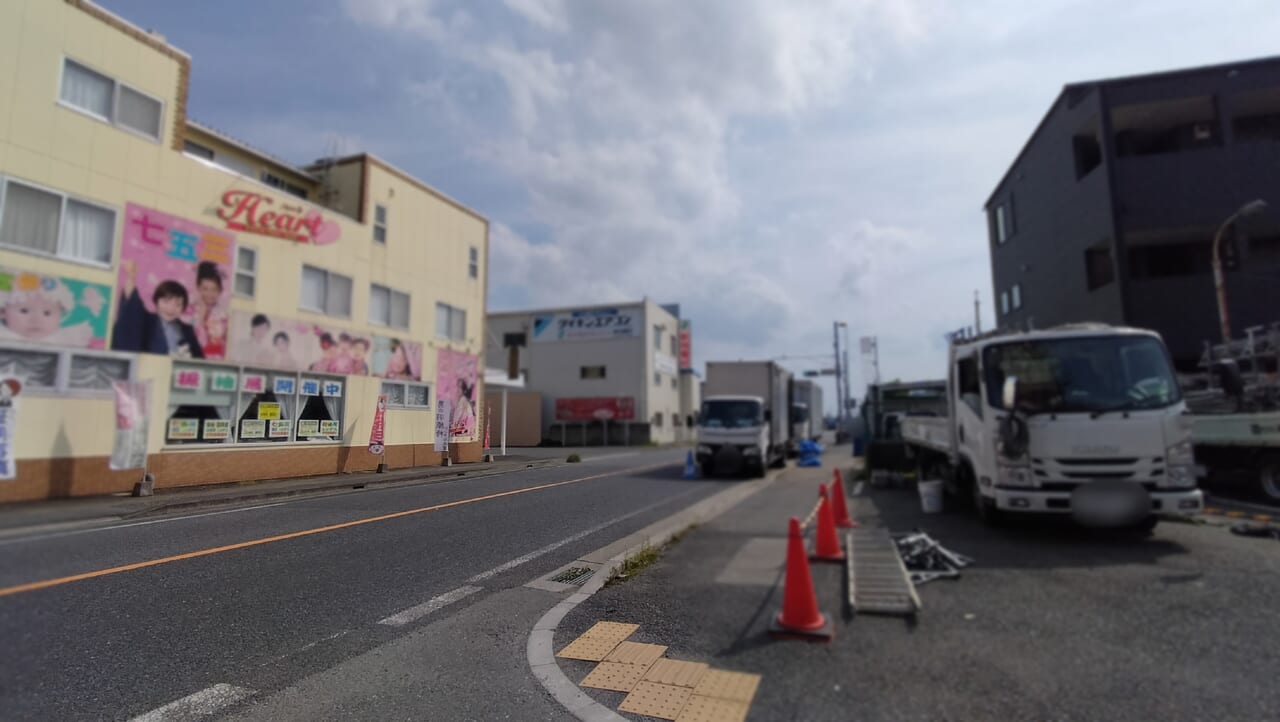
<point>202,704</point>
<point>414,613</point>
<point>508,566</point>
<point>166,520</point>
<point>857,488</point>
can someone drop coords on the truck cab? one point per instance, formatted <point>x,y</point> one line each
<point>1084,420</point>
<point>735,434</point>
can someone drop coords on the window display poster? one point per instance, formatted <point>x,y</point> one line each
<point>329,427</point>
<point>456,382</point>
<point>280,428</point>
<point>308,427</point>
<point>53,309</point>
<point>253,429</point>
<point>183,429</point>
<point>174,289</point>
<point>268,410</point>
<point>285,343</point>
<point>217,429</point>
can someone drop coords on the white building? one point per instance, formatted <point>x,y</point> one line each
<point>607,373</point>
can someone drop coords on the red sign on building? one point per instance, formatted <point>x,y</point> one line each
<point>686,346</point>
<point>613,408</point>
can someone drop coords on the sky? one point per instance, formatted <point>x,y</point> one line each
<point>772,167</point>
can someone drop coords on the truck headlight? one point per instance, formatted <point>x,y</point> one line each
<point>704,449</point>
<point>1180,454</point>
<point>1182,476</point>
<point>752,450</point>
<point>1014,476</point>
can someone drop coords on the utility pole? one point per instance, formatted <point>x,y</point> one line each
<point>848,374</point>
<point>835,335</point>
<point>977,315</point>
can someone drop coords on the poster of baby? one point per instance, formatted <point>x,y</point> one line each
<point>174,290</point>
<point>53,310</point>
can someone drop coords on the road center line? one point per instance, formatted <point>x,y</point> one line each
<point>414,613</point>
<point>202,704</point>
<point>508,566</point>
<point>33,586</point>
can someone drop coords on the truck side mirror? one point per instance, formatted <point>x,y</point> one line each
<point>1010,392</point>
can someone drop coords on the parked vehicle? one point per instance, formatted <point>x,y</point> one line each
<point>744,421</point>
<point>809,394</point>
<point>1084,420</point>
<point>883,410</point>
<point>1235,406</point>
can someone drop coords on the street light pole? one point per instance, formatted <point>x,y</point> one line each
<point>835,336</point>
<point>1252,208</point>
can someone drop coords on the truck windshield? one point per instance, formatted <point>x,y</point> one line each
<point>1093,374</point>
<point>730,414</point>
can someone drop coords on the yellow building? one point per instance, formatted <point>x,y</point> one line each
<point>267,306</point>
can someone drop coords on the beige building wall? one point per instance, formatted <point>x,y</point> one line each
<point>63,441</point>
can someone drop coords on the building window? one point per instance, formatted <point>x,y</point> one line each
<point>110,101</point>
<point>1086,146</point>
<point>325,292</point>
<point>246,271</point>
<point>451,322</point>
<point>191,147</point>
<point>657,419</point>
<point>657,338</point>
<point>1165,126</point>
<point>1098,268</point>
<point>657,378</point>
<point>591,372</point>
<point>276,181</point>
<point>1004,302</point>
<point>66,371</point>
<point>218,404</point>
<point>388,307</point>
<point>473,262</point>
<point>407,395</point>
<point>53,224</point>
<point>675,383</point>
<point>1016,296</point>
<point>1002,224</point>
<point>380,223</point>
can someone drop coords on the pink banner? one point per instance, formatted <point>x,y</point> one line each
<point>174,286</point>
<point>285,343</point>
<point>376,435</point>
<point>456,375</point>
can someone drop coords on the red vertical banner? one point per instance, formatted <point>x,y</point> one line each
<point>376,436</point>
<point>686,345</point>
<point>488,424</point>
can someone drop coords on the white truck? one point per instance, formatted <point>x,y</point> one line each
<point>743,425</point>
<point>1085,420</point>
<point>807,410</point>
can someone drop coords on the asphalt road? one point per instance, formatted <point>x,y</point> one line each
<point>116,634</point>
<point>1054,622</point>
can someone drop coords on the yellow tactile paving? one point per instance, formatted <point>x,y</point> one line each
<point>636,653</point>
<point>710,709</point>
<point>676,672</point>
<point>596,643</point>
<point>733,686</point>
<point>656,700</point>
<point>615,676</point>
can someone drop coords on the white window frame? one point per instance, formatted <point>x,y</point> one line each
<point>251,274</point>
<point>473,262</point>
<point>1015,296</point>
<point>427,406</point>
<point>1002,224</point>
<point>391,295</point>
<point>62,214</point>
<point>212,153</point>
<point>447,334</point>
<point>1004,303</point>
<point>115,101</point>
<point>327,274</point>
<point>62,379</point>
<point>386,214</point>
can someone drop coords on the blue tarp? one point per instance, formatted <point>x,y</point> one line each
<point>810,453</point>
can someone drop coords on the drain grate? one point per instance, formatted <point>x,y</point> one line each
<point>576,576</point>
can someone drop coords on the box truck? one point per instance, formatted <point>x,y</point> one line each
<point>744,423</point>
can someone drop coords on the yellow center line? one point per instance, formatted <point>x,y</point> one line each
<point>45,584</point>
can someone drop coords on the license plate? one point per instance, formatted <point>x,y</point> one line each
<point>1110,504</point>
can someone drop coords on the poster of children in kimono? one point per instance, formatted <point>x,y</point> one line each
<point>286,343</point>
<point>456,382</point>
<point>53,310</point>
<point>174,289</point>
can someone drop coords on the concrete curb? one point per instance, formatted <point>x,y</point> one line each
<point>540,649</point>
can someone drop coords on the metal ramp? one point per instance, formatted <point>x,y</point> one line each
<point>878,582</point>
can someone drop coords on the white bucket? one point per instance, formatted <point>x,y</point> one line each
<point>930,496</point>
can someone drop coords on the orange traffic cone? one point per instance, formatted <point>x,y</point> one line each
<point>827,544</point>
<point>843,520</point>
<point>799,616</point>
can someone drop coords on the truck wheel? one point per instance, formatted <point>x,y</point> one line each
<point>986,509</point>
<point>1269,478</point>
<point>708,469</point>
<point>1147,525</point>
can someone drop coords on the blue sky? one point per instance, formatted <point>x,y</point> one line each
<point>770,166</point>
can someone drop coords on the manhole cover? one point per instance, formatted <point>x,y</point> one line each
<point>576,576</point>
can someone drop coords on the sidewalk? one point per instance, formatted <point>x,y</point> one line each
<point>57,514</point>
